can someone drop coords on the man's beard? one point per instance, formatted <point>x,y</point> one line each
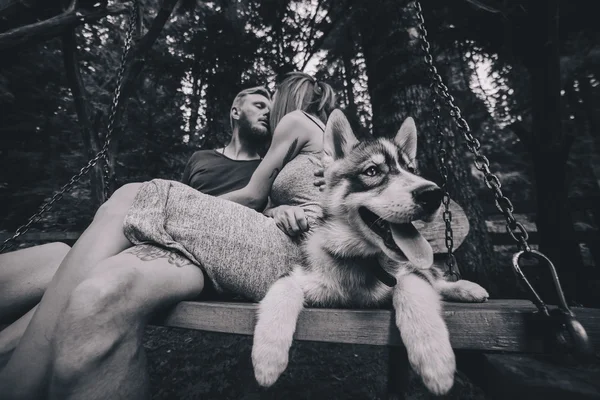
<point>256,135</point>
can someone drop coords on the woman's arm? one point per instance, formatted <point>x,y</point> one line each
<point>289,138</point>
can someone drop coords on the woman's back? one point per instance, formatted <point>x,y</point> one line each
<point>294,185</point>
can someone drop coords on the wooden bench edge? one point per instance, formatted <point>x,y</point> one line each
<point>497,325</point>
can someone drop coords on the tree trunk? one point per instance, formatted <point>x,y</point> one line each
<point>550,148</point>
<point>132,75</point>
<point>351,109</point>
<point>399,87</point>
<point>89,130</point>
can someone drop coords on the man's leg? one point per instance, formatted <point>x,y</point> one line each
<point>24,276</point>
<point>97,345</point>
<point>11,335</point>
<point>27,372</point>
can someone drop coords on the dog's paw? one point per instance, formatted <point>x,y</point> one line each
<point>269,359</point>
<point>464,291</point>
<point>435,363</point>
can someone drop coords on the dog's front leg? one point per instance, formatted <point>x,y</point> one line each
<point>277,316</point>
<point>424,332</point>
<point>462,291</point>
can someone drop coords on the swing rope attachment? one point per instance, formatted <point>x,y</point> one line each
<point>102,154</point>
<point>564,333</point>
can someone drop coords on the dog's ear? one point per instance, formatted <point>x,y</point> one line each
<point>406,138</point>
<point>339,139</point>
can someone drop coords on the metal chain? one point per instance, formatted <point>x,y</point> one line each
<point>8,243</point>
<point>565,333</point>
<point>133,16</point>
<point>513,227</point>
<point>453,271</point>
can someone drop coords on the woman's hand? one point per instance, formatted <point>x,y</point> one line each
<point>320,181</point>
<point>290,219</point>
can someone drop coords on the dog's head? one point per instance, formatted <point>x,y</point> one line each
<point>372,186</point>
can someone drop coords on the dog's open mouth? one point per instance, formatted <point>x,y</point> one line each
<point>403,239</point>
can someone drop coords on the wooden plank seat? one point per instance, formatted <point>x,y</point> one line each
<point>497,325</point>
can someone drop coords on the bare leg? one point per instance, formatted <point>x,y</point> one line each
<point>27,372</point>
<point>24,276</point>
<point>12,334</point>
<point>98,341</point>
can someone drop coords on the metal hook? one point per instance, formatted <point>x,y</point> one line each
<point>536,298</point>
<point>568,333</point>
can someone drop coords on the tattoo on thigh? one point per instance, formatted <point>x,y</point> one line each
<point>150,253</point>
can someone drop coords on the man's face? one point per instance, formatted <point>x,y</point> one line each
<point>254,117</point>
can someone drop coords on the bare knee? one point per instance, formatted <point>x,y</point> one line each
<point>100,315</point>
<point>56,250</point>
<point>107,294</point>
<point>118,204</point>
<point>55,253</point>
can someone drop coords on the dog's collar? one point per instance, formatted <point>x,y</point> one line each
<point>385,277</point>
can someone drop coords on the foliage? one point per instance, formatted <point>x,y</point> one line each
<point>208,51</point>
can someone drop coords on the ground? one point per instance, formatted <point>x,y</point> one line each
<point>186,364</point>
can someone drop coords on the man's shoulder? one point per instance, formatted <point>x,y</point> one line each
<point>202,154</point>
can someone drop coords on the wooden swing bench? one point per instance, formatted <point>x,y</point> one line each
<point>490,328</point>
<point>493,333</point>
<point>496,325</point>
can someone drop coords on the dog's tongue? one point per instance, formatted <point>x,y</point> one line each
<point>413,245</point>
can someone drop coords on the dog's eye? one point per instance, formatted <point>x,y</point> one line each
<point>371,171</point>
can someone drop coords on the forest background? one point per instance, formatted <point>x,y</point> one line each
<point>524,74</point>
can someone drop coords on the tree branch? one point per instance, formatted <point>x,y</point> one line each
<point>319,42</point>
<point>312,24</point>
<point>54,26</point>
<point>89,130</point>
<point>486,7</point>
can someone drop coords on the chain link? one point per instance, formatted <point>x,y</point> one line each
<point>566,334</point>
<point>102,154</point>
<point>504,205</point>
<point>133,16</point>
<point>453,271</point>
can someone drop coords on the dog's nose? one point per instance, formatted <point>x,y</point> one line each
<point>428,197</point>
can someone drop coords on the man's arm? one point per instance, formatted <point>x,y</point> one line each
<point>288,139</point>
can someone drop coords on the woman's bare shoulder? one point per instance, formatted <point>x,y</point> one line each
<point>296,120</point>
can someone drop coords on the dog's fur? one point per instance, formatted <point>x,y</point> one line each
<point>340,253</point>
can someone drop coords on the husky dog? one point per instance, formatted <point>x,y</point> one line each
<point>366,252</point>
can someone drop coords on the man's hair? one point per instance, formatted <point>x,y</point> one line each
<point>239,98</point>
<point>300,91</point>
